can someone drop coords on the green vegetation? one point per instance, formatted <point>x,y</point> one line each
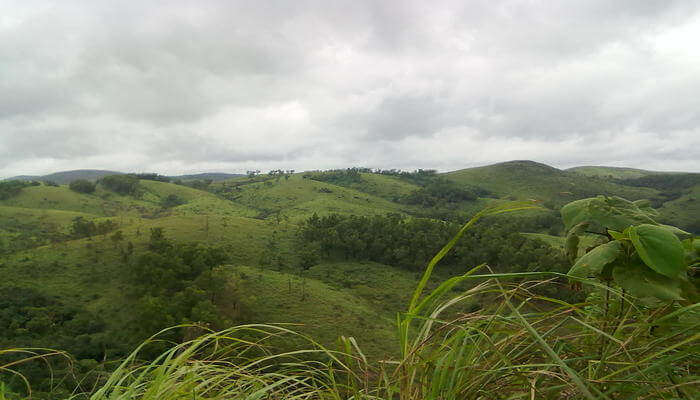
<point>612,172</point>
<point>645,258</point>
<point>530,180</point>
<point>81,186</point>
<point>335,254</point>
<point>122,184</point>
<point>10,189</point>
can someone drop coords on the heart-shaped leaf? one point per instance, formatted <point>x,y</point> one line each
<point>593,262</point>
<point>609,212</point>
<point>660,249</point>
<point>642,282</point>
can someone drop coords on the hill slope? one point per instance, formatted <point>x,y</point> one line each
<point>529,179</point>
<point>614,172</point>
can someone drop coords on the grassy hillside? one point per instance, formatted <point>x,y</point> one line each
<point>531,180</point>
<point>298,198</point>
<point>321,310</point>
<point>684,211</point>
<point>214,176</point>
<point>101,202</point>
<point>613,172</point>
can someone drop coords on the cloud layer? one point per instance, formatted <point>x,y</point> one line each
<point>182,86</point>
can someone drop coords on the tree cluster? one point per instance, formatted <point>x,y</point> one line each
<point>12,188</point>
<point>200,184</point>
<point>411,242</point>
<point>82,186</point>
<point>176,283</point>
<point>152,176</point>
<point>340,177</point>
<point>172,200</point>
<point>81,227</point>
<point>121,184</point>
<point>441,191</point>
<point>420,177</point>
<point>33,320</point>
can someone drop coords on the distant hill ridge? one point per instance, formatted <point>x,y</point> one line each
<point>65,177</point>
<point>514,166</point>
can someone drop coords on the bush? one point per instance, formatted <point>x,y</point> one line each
<point>82,186</point>
<point>122,184</point>
<point>11,188</point>
<point>172,200</point>
<point>150,176</point>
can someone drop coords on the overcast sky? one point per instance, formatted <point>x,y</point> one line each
<point>186,86</point>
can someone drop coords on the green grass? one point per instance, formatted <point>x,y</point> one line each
<point>317,308</point>
<point>613,172</point>
<point>102,202</point>
<point>530,180</point>
<point>197,202</point>
<point>298,198</point>
<point>683,211</point>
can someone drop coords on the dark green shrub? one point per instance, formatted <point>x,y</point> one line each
<point>122,184</point>
<point>172,200</point>
<point>11,188</point>
<point>82,186</point>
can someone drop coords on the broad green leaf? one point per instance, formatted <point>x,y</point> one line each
<point>574,213</point>
<point>609,212</point>
<point>642,282</point>
<point>593,262</point>
<point>659,249</point>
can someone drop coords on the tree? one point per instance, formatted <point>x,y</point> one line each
<point>122,184</point>
<point>83,228</point>
<point>172,200</point>
<point>11,188</point>
<point>82,186</point>
<point>117,237</point>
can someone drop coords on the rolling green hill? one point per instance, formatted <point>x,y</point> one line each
<point>298,198</point>
<point>65,177</point>
<point>613,172</point>
<point>531,180</point>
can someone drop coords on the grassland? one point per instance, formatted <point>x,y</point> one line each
<point>684,211</point>
<point>613,172</point>
<point>530,180</point>
<point>298,198</point>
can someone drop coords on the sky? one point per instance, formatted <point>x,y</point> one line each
<point>192,86</point>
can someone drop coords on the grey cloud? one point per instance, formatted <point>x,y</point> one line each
<point>313,84</point>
